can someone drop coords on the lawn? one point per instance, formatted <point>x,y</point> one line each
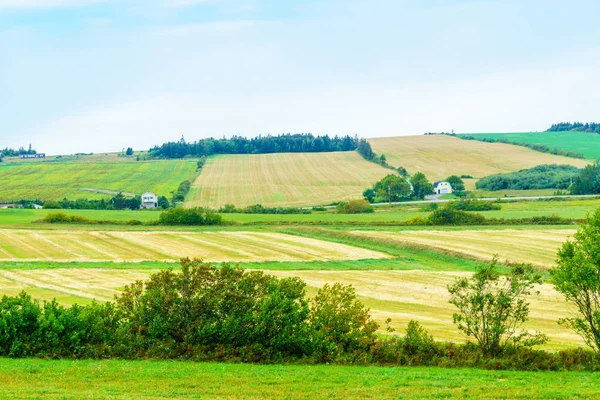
<point>286,179</point>
<point>92,180</point>
<point>53,379</point>
<point>584,143</point>
<point>439,156</point>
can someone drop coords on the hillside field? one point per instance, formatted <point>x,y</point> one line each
<point>584,143</point>
<point>285,179</point>
<point>92,180</point>
<point>55,379</point>
<point>439,156</point>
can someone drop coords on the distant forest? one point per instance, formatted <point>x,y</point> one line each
<point>592,127</point>
<point>13,153</point>
<point>285,143</point>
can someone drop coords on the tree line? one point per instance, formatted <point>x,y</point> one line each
<point>547,176</point>
<point>7,152</point>
<point>592,127</point>
<point>284,143</point>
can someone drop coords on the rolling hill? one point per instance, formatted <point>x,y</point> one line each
<point>439,156</point>
<point>284,179</point>
<point>90,177</point>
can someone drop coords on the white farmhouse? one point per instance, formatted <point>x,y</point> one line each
<point>442,188</point>
<point>149,200</point>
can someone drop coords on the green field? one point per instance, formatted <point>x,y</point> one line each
<point>93,180</point>
<point>566,208</point>
<point>284,179</point>
<point>584,143</point>
<point>49,379</point>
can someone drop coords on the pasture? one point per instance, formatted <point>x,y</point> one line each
<point>92,180</point>
<point>55,379</point>
<point>584,143</point>
<point>439,156</point>
<point>287,179</point>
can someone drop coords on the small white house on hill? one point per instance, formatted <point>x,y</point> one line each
<point>149,200</point>
<point>442,188</point>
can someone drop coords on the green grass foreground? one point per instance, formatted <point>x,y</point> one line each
<point>33,379</point>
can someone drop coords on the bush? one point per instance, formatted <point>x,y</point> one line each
<point>189,216</point>
<point>51,205</point>
<point>474,205</point>
<point>450,216</point>
<point>493,308</point>
<point>355,207</point>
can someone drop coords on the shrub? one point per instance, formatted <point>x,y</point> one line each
<point>492,308</point>
<point>340,322</point>
<point>355,207</point>
<point>450,216</point>
<point>51,205</point>
<point>189,216</point>
<point>474,205</point>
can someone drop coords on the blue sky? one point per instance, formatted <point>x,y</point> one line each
<point>100,75</point>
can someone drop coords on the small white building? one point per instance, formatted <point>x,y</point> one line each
<point>442,188</point>
<point>149,200</point>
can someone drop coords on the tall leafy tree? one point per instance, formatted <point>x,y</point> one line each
<point>421,186</point>
<point>577,277</point>
<point>456,182</point>
<point>392,188</point>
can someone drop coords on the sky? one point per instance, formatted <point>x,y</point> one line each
<point>103,75</point>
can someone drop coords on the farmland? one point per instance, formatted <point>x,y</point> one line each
<point>52,379</point>
<point>92,180</point>
<point>287,179</point>
<point>66,246</point>
<point>584,143</point>
<point>439,156</point>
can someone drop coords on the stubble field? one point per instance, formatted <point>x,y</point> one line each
<point>439,156</point>
<point>288,179</point>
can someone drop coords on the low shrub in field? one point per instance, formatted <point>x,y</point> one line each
<point>355,207</point>
<point>260,209</point>
<point>450,216</point>
<point>474,205</point>
<point>189,216</point>
<point>62,218</point>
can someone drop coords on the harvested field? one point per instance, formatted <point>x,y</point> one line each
<point>537,246</point>
<point>288,179</point>
<point>399,295</point>
<point>65,246</point>
<point>423,296</point>
<point>440,156</point>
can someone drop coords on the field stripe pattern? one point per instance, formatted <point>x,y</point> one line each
<point>440,156</point>
<point>65,246</point>
<point>538,247</point>
<point>288,179</point>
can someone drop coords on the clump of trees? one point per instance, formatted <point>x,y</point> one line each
<point>182,190</point>
<point>365,150</point>
<point>547,176</point>
<point>588,180</point>
<point>391,188</point>
<point>7,152</point>
<point>421,186</point>
<point>592,127</point>
<point>117,202</point>
<point>285,143</point>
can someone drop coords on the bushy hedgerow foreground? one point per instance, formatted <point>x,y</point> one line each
<point>228,314</point>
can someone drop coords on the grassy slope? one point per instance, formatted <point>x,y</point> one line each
<point>439,156</point>
<point>27,379</point>
<point>289,179</point>
<point>46,180</point>
<point>584,143</point>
